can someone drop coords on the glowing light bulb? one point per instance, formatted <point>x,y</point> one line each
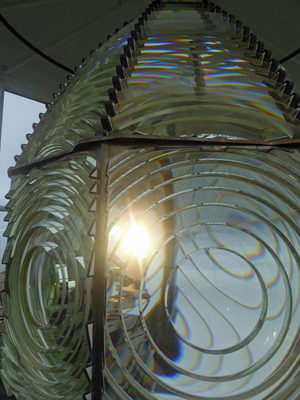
<point>136,240</point>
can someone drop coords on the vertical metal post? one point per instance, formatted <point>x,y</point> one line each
<point>1,109</point>
<point>99,284</point>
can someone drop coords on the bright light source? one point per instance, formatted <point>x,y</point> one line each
<point>116,232</point>
<point>136,240</point>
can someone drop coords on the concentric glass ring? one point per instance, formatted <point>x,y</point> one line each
<point>47,301</point>
<point>203,300</point>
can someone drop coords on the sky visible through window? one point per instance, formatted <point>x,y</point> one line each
<point>18,116</point>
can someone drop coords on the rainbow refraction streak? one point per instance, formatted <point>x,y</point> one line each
<point>211,307</point>
<point>199,252</point>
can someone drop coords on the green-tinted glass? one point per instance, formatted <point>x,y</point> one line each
<point>47,301</point>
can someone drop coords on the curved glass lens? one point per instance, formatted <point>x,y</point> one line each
<point>189,74</point>
<point>75,113</point>
<point>202,275</point>
<point>42,288</point>
<point>210,308</point>
<point>47,298</point>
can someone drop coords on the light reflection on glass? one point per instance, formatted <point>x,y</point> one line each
<point>212,64</point>
<point>213,307</point>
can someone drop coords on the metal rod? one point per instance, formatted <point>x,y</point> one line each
<point>287,58</point>
<point>1,110</point>
<point>32,47</point>
<point>99,283</point>
<point>148,141</point>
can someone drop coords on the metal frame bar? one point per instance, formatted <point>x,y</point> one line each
<point>99,282</point>
<point>138,140</point>
<point>1,110</point>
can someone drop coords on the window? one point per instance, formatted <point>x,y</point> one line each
<point>18,115</point>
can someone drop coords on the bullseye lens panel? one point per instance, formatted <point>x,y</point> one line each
<point>203,272</point>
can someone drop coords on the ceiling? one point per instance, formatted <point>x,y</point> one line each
<point>67,30</point>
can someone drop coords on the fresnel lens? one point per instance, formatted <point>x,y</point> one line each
<point>154,222</point>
